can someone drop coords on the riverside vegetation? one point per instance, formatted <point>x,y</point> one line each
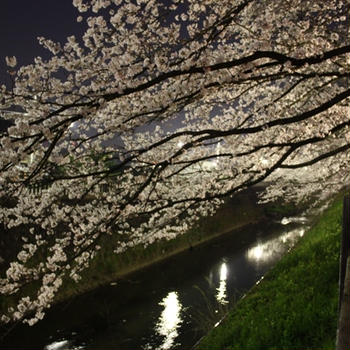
<point>295,305</point>
<point>237,212</point>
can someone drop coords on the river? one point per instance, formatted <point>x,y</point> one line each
<point>169,305</point>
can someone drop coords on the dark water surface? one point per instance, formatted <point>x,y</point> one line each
<point>170,305</point>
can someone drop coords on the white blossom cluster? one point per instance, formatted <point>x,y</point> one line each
<point>205,98</point>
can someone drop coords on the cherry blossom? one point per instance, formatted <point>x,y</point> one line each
<point>153,117</point>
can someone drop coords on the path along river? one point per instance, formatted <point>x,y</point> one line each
<point>169,305</point>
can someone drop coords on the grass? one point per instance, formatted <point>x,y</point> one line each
<point>295,306</point>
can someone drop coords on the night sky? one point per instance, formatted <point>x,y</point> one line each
<point>22,21</point>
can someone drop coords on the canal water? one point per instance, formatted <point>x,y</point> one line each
<point>169,305</point>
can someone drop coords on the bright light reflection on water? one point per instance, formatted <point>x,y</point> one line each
<point>58,345</point>
<point>263,252</point>
<point>63,345</point>
<point>221,295</point>
<point>169,320</point>
<point>300,219</point>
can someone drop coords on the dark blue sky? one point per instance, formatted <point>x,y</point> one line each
<point>22,21</point>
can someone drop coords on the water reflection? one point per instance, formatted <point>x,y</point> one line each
<point>170,320</point>
<point>264,252</point>
<point>221,295</point>
<point>298,219</point>
<point>63,345</point>
<point>57,345</point>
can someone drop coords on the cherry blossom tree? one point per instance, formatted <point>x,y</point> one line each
<point>205,98</point>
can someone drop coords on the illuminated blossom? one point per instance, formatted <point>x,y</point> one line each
<point>153,117</point>
<point>11,61</point>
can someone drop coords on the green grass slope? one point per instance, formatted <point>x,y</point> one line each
<point>295,306</point>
